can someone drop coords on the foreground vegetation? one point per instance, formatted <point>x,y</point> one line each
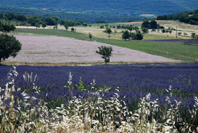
<point>89,111</point>
<point>166,49</point>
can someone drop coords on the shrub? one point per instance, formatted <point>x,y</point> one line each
<point>139,36</point>
<point>102,26</point>
<point>108,30</point>
<point>72,29</point>
<point>126,35</point>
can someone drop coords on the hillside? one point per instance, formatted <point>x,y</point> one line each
<point>190,17</point>
<point>118,7</point>
<point>66,15</point>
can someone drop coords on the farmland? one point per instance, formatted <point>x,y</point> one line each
<point>162,93</point>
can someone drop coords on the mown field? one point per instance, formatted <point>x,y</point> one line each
<point>178,51</point>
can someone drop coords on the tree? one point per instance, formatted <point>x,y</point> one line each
<point>21,17</point>
<point>179,33</point>
<point>163,30</point>
<point>106,25</point>
<point>108,30</point>
<point>145,30</point>
<point>90,36</point>
<point>7,27</point>
<point>72,29</point>
<point>153,30</point>
<point>145,24</point>
<point>153,24</point>
<point>193,35</point>
<point>133,36</point>
<point>44,25</point>
<point>66,26</point>
<point>101,27</point>
<point>130,28</point>
<point>84,24</point>
<point>126,35</point>
<point>139,36</point>
<point>9,46</point>
<point>105,52</point>
<point>170,31</point>
<point>37,25</point>
<point>50,21</point>
<point>136,28</point>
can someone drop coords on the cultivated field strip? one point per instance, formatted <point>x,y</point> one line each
<point>53,49</point>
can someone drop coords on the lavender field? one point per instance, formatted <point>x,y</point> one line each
<point>134,81</point>
<point>162,96</point>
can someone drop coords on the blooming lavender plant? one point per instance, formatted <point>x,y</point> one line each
<point>89,113</point>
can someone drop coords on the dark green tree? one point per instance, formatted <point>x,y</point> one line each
<point>108,30</point>
<point>9,46</point>
<point>106,25</point>
<point>37,25</point>
<point>72,29</point>
<point>21,17</point>
<point>7,27</point>
<point>145,24</point>
<point>145,30</point>
<point>90,36</point>
<point>163,30</point>
<point>126,35</point>
<point>84,24</point>
<point>139,36</point>
<point>50,21</point>
<point>133,36</point>
<point>105,52</point>
<point>130,28</point>
<point>101,27</point>
<point>153,24</point>
<point>66,26</point>
<point>44,25</point>
<point>193,35</point>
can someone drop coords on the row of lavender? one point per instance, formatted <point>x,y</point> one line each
<point>134,81</point>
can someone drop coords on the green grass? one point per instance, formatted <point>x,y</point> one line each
<point>185,53</point>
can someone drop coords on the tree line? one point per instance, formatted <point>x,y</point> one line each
<point>190,17</point>
<point>33,20</point>
<point>92,18</point>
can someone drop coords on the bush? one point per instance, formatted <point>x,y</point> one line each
<point>163,30</point>
<point>72,29</point>
<point>139,36</point>
<point>108,30</point>
<point>145,30</point>
<point>102,26</point>
<point>125,35</point>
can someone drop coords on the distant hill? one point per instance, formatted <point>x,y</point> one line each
<point>190,17</point>
<point>118,7</point>
<point>92,18</point>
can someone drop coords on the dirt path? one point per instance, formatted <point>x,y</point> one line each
<point>52,49</point>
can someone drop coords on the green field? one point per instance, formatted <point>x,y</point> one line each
<point>185,53</point>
